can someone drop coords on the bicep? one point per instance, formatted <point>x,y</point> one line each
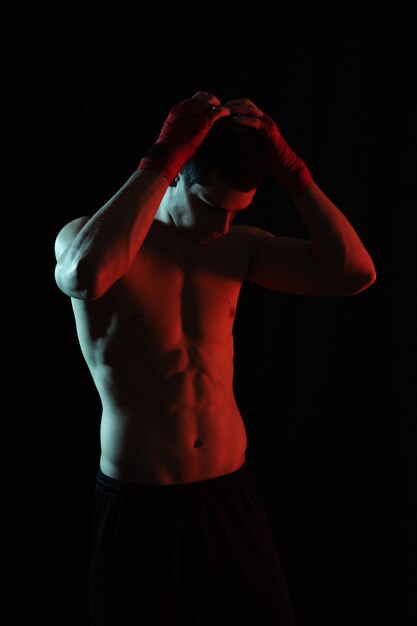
<point>289,265</point>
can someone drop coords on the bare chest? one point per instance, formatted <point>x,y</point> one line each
<point>164,300</point>
<point>195,296</point>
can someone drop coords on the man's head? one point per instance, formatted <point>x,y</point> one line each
<point>220,180</point>
<point>234,152</point>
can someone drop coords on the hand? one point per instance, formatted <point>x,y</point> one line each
<point>288,168</point>
<point>182,133</point>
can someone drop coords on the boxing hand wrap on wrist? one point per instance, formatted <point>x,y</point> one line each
<point>161,158</point>
<point>181,135</point>
<point>282,162</point>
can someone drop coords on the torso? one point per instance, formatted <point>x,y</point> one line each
<point>159,345</point>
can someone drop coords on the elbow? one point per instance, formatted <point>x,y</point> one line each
<point>367,276</point>
<point>360,281</point>
<point>371,276</point>
<point>78,283</point>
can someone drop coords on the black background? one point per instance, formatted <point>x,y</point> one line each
<point>326,385</point>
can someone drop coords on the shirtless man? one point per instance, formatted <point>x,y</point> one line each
<point>154,278</point>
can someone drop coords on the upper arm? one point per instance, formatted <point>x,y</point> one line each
<point>67,235</point>
<point>289,265</point>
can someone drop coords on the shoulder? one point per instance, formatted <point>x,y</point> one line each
<point>67,234</point>
<point>249,240</point>
<point>252,236</point>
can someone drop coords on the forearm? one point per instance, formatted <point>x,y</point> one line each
<point>106,246</point>
<point>334,239</point>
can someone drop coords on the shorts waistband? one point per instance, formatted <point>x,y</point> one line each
<point>209,486</point>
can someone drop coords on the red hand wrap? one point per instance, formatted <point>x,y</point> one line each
<point>181,135</point>
<point>288,168</point>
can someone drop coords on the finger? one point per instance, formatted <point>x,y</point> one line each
<point>238,102</point>
<point>247,120</point>
<point>243,106</point>
<point>207,98</point>
<point>248,109</point>
<point>219,111</point>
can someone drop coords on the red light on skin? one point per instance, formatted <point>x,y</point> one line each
<point>208,237</point>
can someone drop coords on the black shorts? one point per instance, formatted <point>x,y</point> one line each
<point>195,554</point>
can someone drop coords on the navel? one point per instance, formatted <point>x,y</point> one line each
<point>198,443</point>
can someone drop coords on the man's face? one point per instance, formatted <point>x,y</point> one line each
<point>205,213</point>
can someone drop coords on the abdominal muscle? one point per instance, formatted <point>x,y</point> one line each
<point>172,421</point>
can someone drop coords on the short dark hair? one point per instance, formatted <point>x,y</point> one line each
<point>231,150</point>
